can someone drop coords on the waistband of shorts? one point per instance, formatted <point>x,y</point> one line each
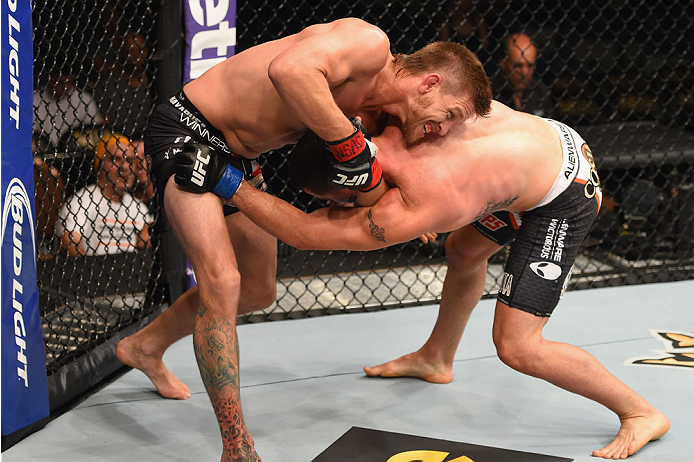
<point>571,147</point>
<point>181,102</point>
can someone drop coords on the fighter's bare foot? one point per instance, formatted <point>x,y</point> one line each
<point>634,434</point>
<point>166,383</point>
<point>413,365</point>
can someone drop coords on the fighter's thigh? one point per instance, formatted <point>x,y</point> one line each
<point>198,222</point>
<point>256,257</point>
<point>468,246</point>
<point>515,330</point>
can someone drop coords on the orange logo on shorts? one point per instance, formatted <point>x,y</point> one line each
<point>492,222</point>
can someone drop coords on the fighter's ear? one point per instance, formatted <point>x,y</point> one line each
<point>429,82</point>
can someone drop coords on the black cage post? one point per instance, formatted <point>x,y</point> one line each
<point>169,58</point>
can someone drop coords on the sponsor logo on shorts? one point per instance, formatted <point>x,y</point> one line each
<point>678,352</point>
<point>572,154</point>
<point>588,154</point>
<point>506,284</point>
<point>193,123</point>
<point>491,222</point>
<point>592,186</point>
<point>546,270</point>
<point>171,152</point>
<point>553,247</point>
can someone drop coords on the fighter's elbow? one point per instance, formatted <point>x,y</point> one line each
<point>274,71</point>
<point>281,69</point>
<point>301,244</point>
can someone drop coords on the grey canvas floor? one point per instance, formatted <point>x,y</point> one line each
<point>303,387</point>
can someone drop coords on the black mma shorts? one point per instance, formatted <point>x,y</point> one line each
<point>177,122</point>
<point>547,238</point>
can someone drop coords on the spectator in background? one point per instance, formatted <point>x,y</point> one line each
<point>109,31</point>
<point>104,218</point>
<point>60,107</point>
<point>144,187</point>
<point>514,85</point>
<point>123,86</point>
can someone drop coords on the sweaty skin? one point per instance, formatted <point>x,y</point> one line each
<point>250,113</point>
<point>507,161</point>
<point>323,73</point>
<point>262,99</point>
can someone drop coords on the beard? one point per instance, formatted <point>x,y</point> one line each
<point>412,128</point>
<point>412,132</point>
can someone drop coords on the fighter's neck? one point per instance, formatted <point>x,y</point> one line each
<point>388,93</point>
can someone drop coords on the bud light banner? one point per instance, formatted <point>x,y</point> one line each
<point>24,385</point>
<point>210,27</point>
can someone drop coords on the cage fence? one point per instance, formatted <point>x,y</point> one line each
<point>619,72</point>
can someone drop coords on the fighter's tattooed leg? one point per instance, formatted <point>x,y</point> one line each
<point>217,353</point>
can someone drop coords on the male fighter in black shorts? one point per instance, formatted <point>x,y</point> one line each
<point>258,100</point>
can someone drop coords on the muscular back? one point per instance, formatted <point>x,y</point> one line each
<point>238,97</point>
<point>506,161</point>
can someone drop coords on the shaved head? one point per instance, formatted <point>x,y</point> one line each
<point>519,65</point>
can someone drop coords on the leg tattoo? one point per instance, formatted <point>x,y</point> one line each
<point>217,353</point>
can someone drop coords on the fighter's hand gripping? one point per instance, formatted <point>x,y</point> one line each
<point>356,166</point>
<point>200,169</point>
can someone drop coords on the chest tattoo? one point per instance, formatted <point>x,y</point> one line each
<point>492,206</point>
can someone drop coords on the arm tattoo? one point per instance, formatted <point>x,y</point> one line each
<point>493,207</point>
<point>376,231</point>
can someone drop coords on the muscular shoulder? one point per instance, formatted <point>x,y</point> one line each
<point>342,49</point>
<point>512,130</point>
<point>357,35</point>
<point>360,29</point>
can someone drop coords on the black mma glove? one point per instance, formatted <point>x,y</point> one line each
<point>200,169</point>
<point>356,166</point>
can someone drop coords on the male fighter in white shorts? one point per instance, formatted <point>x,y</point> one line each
<point>508,176</point>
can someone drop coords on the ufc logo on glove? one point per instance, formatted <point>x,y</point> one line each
<point>198,176</point>
<point>356,180</point>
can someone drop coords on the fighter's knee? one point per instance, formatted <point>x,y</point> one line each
<point>258,297</point>
<point>462,255</point>
<point>268,296</point>
<point>507,354</point>
<point>516,354</point>
<point>230,279</point>
<point>218,283</point>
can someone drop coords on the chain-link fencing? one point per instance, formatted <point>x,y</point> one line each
<point>619,72</point>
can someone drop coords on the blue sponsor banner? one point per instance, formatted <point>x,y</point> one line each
<point>210,27</point>
<point>24,385</point>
